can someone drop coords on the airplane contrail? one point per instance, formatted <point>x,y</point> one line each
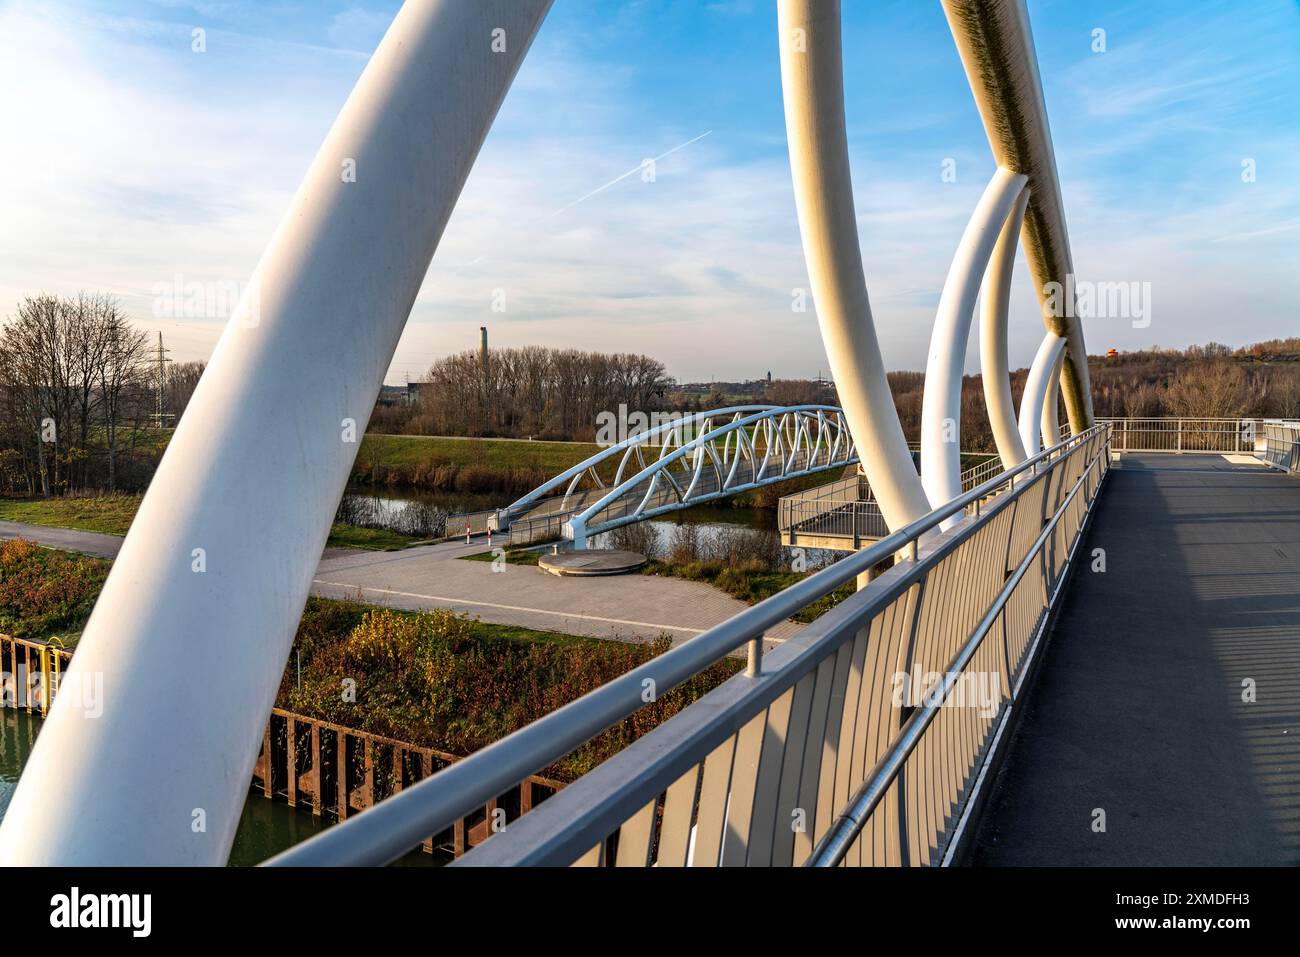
<point>633,170</point>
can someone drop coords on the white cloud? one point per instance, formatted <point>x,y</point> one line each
<point>138,160</point>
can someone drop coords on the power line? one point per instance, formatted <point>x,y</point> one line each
<point>158,416</point>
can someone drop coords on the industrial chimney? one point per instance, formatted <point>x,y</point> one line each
<point>482,347</point>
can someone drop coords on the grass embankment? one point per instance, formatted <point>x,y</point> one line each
<point>505,466</point>
<point>442,464</point>
<point>113,514</point>
<point>110,514</point>
<point>448,682</point>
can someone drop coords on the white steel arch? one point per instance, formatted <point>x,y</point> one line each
<point>194,624</point>
<point>941,406</point>
<point>995,370</point>
<point>996,45</point>
<point>1036,388</point>
<point>1051,420</point>
<point>812,86</point>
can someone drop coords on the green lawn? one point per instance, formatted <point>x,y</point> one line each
<point>113,514</point>
<point>410,450</point>
<point>749,584</point>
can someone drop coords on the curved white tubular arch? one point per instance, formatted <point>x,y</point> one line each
<point>1036,386</point>
<point>996,45</point>
<point>941,405</point>
<point>995,371</point>
<point>812,86</point>
<point>1051,419</point>
<point>188,640</point>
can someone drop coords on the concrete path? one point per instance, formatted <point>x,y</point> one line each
<point>623,607</point>
<point>88,543</point>
<point>1140,708</point>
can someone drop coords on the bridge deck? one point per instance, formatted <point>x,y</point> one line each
<point>1138,705</point>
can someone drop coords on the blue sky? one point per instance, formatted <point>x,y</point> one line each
<point>129,160</point>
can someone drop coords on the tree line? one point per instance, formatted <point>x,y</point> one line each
<point>78,394</point>
<point>1200,382</point>
<point>531,392</point>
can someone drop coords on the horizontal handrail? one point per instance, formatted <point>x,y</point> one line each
<point>1185,433</point>
<point>845,829</point>
<point>386,831</point>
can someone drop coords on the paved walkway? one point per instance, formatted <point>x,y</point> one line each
<point>623,607</point>
<point>1138,708</point>
<point>89,543</point>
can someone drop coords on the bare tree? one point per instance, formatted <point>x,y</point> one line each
<point>67,366</point>
<point>182,380</point>
<point>123,380</point>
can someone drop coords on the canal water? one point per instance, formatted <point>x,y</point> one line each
<point>265,829</point>
<point>395,508</point>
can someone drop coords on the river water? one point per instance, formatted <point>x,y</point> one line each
<point>266,827</point>
<point>709,520</point>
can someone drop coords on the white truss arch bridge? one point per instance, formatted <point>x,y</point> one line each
<point>698,458</point>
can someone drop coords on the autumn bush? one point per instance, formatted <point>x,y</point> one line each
<point>443,681</point>
<point>45,592</point>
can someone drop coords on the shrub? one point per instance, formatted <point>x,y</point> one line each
<point>45,592</point>
<point>444,681</point>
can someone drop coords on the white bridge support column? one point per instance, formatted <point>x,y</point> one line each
<point>995,370</point>
<point>812,84</point>
<point>941,405</point>
<point>189,638</point>
<point>1051,419</point>
<point>1037,387</point>
<point>996,46</point>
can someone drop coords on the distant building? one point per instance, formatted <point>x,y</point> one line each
<point>391,395</point>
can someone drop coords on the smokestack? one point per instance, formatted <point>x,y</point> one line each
<point>482,347</point>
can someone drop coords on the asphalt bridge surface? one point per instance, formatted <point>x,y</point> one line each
<point>1140,707</point>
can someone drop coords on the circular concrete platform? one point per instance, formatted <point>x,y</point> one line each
<point>588,562</point>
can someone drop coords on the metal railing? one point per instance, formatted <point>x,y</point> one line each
<point>977,475</point>
<point>853,520</point>
<point>1184,435</point>
<point>476,523</point>
<point>841,509</point>
<point>771,765</point>
<point>1282,445</point>
<point>847,510</point>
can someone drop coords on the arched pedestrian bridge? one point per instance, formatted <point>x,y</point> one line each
<point>685,461</point>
